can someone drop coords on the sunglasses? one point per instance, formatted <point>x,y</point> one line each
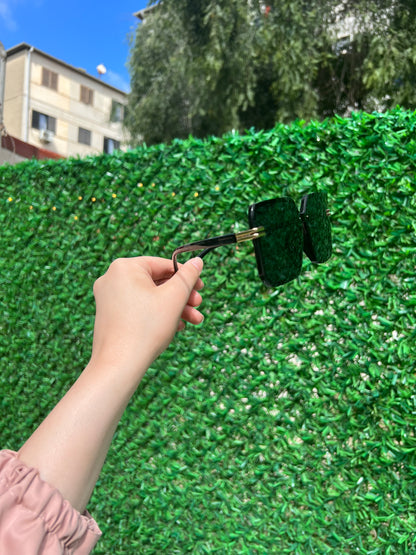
<point>280,234</point>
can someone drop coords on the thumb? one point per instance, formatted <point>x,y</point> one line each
<point>181,284</point>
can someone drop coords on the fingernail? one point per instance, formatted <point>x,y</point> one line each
<point>198,263</point>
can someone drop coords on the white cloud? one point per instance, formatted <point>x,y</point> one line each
<point>6,16</point>
<point>116,80</point>
<point>7,7</point>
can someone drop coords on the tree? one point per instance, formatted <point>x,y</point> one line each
<point>206,67</point>
<point>373,66</point>
<point>192,69</point>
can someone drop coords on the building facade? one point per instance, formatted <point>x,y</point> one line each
<point>55,106</point>
<point>144,14</point>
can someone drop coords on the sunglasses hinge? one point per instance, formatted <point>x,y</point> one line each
<point>250,235</point>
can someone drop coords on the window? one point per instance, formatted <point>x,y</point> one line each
<point>49,79</point>
<point>110,145</point>
<point>117,112</point>
<point>87,95</point>
<point>42,121</point>
<point>84,136</point>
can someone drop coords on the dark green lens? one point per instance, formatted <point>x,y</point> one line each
<point>317,242</point>
<point>279,252</point>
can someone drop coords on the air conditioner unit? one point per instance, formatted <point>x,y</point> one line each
<point>45,135</point>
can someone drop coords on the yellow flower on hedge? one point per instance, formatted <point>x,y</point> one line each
<point>196,195</point>
<point>217,188</point>
<point>140,184</point>
<point>93,199</point>
<point>173,194</point>
<point>114,195</point>
<point>79,198</point>
<point>10,199</point>
<point>153,185</point>
<point>30,207</point>
<point>54,208</point>
<point>75,217</point>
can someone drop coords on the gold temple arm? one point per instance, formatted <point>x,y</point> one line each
<point>214,242</point>
<point>250,235</point>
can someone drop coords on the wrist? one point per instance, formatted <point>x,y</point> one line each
<point>117,373</point>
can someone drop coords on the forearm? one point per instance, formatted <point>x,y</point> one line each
<point>139,307</point>
<point>70,446</point>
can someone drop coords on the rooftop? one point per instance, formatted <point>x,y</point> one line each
<point>24,46</point>
<point>142,14</point>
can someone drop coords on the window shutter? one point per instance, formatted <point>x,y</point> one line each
<point>54,81</point>
<point>86,95</point>
<point>45,77</point>
<point>49,79</point>
<point>84,136</point>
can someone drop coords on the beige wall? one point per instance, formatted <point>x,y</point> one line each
<point>13,96</point>
<point>64,105</point>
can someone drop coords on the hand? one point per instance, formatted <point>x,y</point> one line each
<point>140,304</point>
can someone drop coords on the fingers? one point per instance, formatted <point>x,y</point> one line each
<point>192,315</point>
<point>195,299</point>
<point>181,325</point>
<point>187,275</point>
<point>186,279</point>
<point>161,270</point>
<point>198,286</point>
<point>180,290</point>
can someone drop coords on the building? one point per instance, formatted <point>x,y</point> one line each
<point>59,108</point>
<point>144,14</point>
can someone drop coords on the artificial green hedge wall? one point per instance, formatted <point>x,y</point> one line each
<point>286,422</point>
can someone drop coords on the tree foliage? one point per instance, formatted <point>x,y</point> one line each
<point>205,67</point>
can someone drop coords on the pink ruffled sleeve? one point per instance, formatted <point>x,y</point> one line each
<point>35,518</point>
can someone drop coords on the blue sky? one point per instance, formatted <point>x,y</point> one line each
<point>81,33</point>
